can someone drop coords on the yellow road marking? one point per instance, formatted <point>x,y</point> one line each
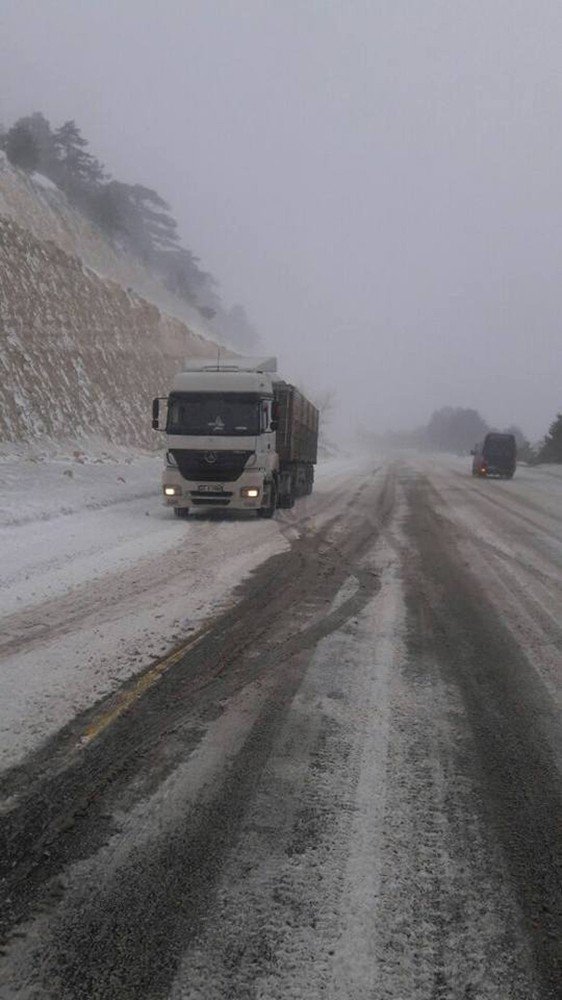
<point>128,698</point>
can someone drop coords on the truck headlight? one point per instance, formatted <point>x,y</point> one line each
<point>249,491</point>
<point>170,491</point>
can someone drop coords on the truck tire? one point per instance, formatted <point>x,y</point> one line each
<point>287,500</point>
<point>269,511</point>
<point>287,493</point>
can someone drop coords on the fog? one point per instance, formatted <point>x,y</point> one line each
<point>380,183</point>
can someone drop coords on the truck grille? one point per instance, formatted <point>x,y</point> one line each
<point>210,502</point>
<point>211,466</point>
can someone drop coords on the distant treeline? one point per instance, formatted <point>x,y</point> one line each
<point>455,429</point>
<point>133,217</point>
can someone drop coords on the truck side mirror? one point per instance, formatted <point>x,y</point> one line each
<point>274,412</point>
<point>274,425</point>
<point>155,413</point>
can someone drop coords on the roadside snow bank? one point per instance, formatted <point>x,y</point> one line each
<point>39,485</point>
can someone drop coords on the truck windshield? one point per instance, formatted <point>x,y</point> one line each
<point>232,413</point>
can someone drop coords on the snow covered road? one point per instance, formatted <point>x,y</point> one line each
<point>98,580</point>
<point>347,786</point>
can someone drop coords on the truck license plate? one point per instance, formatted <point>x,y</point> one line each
<point>210,488</point>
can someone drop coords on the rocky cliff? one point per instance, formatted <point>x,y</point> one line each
<point>79,354</point>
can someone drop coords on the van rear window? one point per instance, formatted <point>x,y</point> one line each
<point>499,444</point>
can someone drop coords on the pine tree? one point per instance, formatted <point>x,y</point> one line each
<point>551,450</point>
<point>79,170</point>
<point>138,218</point>
<point>40,130</point>
<point>160,227</point>
<point>21,148</point>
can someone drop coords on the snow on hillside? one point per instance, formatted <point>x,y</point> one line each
<point>44,182</point>
<point>35,203</point>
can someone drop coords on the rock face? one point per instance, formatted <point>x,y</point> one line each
<point>79,354</point>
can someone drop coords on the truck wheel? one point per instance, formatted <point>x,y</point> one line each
<point>287,490</point>
<point>181,511</point>
<point>269,511</point>
<point>287,500</point>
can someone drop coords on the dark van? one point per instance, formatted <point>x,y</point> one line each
<point>497,456</point>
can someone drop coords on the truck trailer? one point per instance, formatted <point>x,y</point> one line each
<point>237,437</point>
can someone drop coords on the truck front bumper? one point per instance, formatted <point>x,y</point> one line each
<point>246,493</point>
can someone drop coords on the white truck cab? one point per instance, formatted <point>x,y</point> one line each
<point>221,437</point>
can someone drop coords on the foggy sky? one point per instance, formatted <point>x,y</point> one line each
<point>380,183</point>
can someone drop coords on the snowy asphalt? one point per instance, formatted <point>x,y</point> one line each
<point>347,786</point>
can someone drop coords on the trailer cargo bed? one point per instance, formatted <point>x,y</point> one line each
<point>297,431</point>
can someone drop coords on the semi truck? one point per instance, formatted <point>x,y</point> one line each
<point>238,437</point>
